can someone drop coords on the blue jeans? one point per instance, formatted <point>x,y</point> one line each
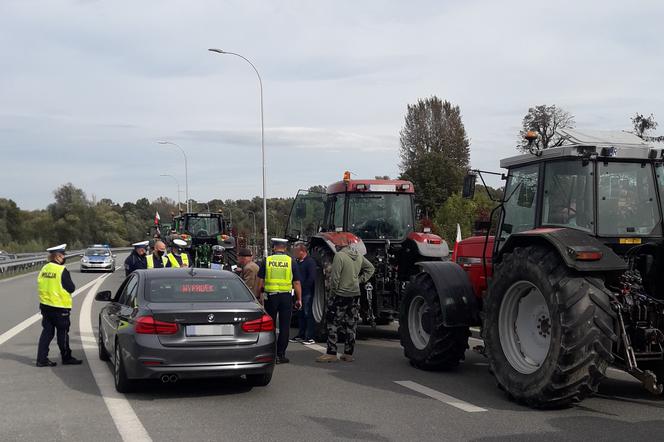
<point>306,318</point>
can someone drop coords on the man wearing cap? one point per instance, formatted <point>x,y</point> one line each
<point>55,288</point>
<point>136,259</point>
<point>157,259</point>
<point>248,270</point>
<point>178,258</point>
<point>277,277</point>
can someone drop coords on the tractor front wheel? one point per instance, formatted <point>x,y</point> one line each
<point>548,330</point>
<point>428,343</point>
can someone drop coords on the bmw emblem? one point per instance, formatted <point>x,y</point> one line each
<point>210,317</point>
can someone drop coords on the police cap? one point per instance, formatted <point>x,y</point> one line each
<point>57,249</point>
<point>141,244</point>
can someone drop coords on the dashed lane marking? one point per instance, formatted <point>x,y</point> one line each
<point>442,397</point>
<point>123,415</point>
<point>18,328</point>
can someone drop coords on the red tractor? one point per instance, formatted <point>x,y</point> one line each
<point>377,217</point>
<point>571,283</point>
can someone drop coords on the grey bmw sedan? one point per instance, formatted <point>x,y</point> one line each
<point>171,324</point>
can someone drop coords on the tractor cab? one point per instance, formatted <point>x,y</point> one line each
<point>202,232</point>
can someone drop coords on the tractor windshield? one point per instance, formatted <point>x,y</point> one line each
<point>626,199</point>
<point>206,226</point>
<point>380,215</point>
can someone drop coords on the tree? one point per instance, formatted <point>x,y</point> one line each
<point>643,125</point>
<point>545,120</point>
<point>434,151</point>
<point>464,212</point>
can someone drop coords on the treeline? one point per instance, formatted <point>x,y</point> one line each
<point>79,221</point>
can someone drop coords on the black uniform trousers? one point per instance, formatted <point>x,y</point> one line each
<point>281,304</point>
<point>54,320</point>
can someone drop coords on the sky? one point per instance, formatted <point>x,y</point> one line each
<point>87,88</point>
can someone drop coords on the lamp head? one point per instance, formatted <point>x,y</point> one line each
<point>218,51</point>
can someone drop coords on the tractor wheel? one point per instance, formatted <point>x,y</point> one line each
<point>323,258</point>
<point>548,330</point>
<point>425,340</point>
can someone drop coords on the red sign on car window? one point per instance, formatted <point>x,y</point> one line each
<point>197,288</point>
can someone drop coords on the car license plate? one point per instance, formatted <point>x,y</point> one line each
<point>210,330</point>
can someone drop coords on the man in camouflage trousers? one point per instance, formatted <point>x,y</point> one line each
<point>349,270</point>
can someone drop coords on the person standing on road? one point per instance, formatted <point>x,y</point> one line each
<point>157,260</point>
<point>248,270</point>
<point>306,266</point>
<point>136,259</point>
<point>349,270</point>
<point>177,257</point>
<point>55,288</point>
<point>277,277</point>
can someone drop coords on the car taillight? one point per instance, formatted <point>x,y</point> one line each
<point>149,326</point>
<point>263,324</point>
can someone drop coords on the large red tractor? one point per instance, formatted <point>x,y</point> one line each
<point>378,218</point>
<point>571,283</point>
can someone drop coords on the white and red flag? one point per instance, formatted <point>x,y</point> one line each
<point>156,219</point>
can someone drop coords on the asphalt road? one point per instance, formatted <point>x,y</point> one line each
<point>379,397</point>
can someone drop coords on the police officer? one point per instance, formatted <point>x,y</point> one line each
<point>55,288</point>
<point>178,258</point>
<point>277,277</point>
<point>136,259</point>
<point>157,259</point>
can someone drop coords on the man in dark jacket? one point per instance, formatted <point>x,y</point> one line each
<point>349,270</point>
<point>136,259</point>
<point>307,269</point>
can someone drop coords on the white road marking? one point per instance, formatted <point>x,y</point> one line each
<point>316,347</point>
<point>475,329</point>
<point>122,413</point>
<point>442,397</point>
<point>18,328</point>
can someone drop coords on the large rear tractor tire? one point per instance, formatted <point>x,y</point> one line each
<point>425,340</point>
<point>323,258</point>
<point>548,330</point>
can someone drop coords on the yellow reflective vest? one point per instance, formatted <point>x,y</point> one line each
<point>174,262</point>
<point>150,261</point>
<point>278,274</point>
<point>49,285</point>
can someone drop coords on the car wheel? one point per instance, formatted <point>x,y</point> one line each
<point>122,384</point>
<point>259,380</point>
<point>103,353</point>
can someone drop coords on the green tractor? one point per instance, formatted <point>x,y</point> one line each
<point>208,237</point>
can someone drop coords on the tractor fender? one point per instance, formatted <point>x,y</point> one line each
<point>336,239</point>
<point>458,303</point>
<point>429,245</point>
<point>567,242</point>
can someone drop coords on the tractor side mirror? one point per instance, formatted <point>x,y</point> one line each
<point>469,186</point>
<point>526,196</point>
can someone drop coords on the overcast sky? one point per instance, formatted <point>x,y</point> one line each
<point>88,87</point>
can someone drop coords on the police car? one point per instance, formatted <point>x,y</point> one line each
<point>98,257</point>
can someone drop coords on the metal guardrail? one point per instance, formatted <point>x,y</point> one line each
<point>32,262</point>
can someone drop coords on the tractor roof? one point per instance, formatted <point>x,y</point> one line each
<point>385,186</point>
<point>610,144</point>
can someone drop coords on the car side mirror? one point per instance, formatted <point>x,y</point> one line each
<point>469,186</point>
<point>104,296</point>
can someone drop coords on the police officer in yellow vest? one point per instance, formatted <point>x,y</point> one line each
<point>178,258</point>
<point>276,278</point>
<point>157,259</point>
<point>55,288</point>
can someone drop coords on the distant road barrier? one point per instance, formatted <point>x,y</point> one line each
<point>33,261</point>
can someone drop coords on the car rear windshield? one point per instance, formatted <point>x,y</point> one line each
<point>198,290</point>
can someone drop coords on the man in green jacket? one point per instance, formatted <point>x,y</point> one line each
<point>349,270</point>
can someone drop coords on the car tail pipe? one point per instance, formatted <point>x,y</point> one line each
<point>169,378</point>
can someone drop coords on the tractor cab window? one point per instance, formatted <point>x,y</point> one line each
<point>568,195</point>
<point>380,215</point>
<point>203,226</point>
<point>626,200</point>
<point>306,215</point>
<point>521,200</point>
<point>337,215</point>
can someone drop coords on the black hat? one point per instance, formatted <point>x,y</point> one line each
<point>244,252</point>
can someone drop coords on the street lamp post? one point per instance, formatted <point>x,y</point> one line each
<point>186,171</point>
<point>260,83</point>
<point>253,214</point>
<point>179,191</point>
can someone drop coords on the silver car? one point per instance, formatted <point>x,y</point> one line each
<point>171,324</point>
<point>98,258</point>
